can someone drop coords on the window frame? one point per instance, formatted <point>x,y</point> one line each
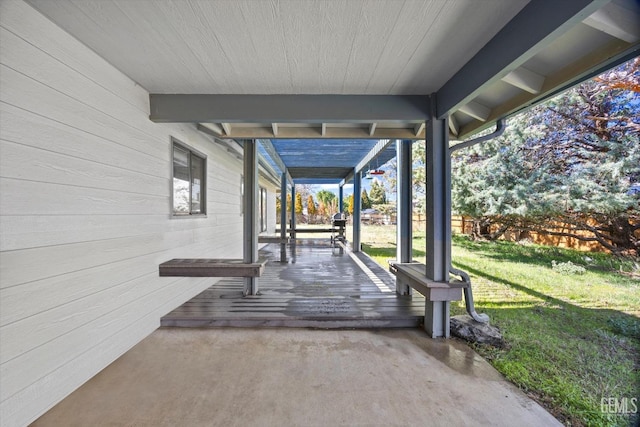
<point>203,187</point>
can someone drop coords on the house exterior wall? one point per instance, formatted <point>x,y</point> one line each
<point>85,214</point>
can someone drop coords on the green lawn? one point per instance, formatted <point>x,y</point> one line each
<point>572,339</point>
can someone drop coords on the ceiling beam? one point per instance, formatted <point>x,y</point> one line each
<point>323,129</point>
<point>525,79</point>
<point>417,129</point>
<point>274,128</point>
<point>347,178</point>
<point>226,109</point>
<point>211,129</point>
<point>373,153</point>
<point>533,28</point>
<point>273,153</point>
<point>372,128</point>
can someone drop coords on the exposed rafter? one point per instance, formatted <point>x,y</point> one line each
<point>417,129</point>
<point>274,128</point>
<point>536,26</point>
<point>476,110</point>
<point>227,128</point>
<point>453,125</point>
<point>525,79</point>
<point>616,21</point>
<point>372,128</point>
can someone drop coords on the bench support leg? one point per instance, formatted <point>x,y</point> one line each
<point>436,319</point>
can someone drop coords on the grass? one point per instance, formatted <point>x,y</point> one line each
<point>572,338</point>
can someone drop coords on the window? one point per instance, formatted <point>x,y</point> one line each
<point>189,182</point>
<point>262,208</point>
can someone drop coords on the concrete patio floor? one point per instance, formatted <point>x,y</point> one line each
<point>297,377</point>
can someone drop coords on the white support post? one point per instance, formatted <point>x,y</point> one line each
<point>404,210</point>
<point>357,178</point>
<point>438,227</point>
<point>250,230</point>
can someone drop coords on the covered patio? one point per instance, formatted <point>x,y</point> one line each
<point>316,284</point>
<point>137,132</point>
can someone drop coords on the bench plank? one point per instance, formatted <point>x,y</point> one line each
<point>413,275</point>
<point>209,267</point>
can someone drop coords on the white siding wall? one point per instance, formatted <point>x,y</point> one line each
<point>85,214</point>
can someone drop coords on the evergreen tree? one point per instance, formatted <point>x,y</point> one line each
<point>298,208</point>
<point>364,201</point>
<point>377,196</point>
<point>574,160</point>
<point>311,206</point>
<point>349,204</point>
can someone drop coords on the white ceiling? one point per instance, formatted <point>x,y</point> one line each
<point>368,47</point>
<point>286,46</point>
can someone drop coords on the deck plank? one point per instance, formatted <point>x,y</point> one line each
<point>318,286</point>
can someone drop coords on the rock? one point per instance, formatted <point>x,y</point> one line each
<point>469,330</point>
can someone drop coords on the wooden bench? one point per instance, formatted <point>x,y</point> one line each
<point>412,274</point>
<point>207,267</point>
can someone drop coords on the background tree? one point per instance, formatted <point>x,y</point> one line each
<point>377,195</point>
<point>325,196</point>
<point>364,200</point>
<point>311,208</point>
<point>298,207</point>
<point>349,204</point>
<point>568,167</point>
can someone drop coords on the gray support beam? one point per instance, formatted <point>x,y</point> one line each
<point>340,198</point>
<point>438,227</point>
<point>404,207</point>
<point>357,179</point>
<point>373,153</point>
<point>269,109</point>
<point>537,25</point>
<point>250,230</point>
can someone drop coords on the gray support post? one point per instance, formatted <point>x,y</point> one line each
<point>283,206</point>
<point>250,230</point>
<point>340,198</point>
<point>404,210</point>
<point>438,227</point>
<point>293,212</point>
<point>283,217</point>
<point>357,178</point>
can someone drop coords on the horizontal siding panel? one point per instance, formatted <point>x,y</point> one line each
<point>30,231</point>
<point>26,128</point>
<point>23,92</point>
<point>22,20</point>
<point>37,198</point>
<point>74,358</point>
<point>28,299</point>
<point>23,162</point>
<point>34,264</point>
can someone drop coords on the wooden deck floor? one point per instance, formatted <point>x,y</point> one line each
<point>317,286</point>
